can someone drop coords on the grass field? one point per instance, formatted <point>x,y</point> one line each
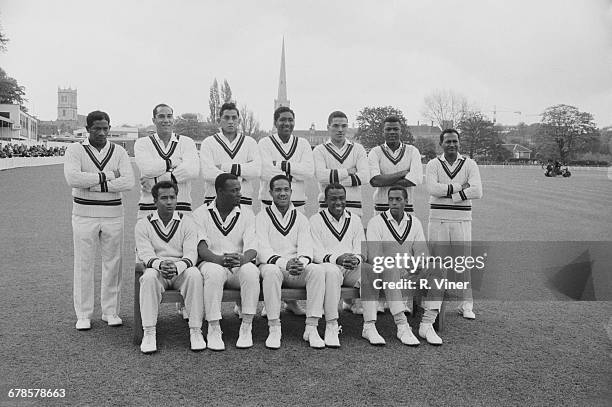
<point>544,351</point>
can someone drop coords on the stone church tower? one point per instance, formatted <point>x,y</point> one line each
<point>282,100</point>
<point>67,105</point>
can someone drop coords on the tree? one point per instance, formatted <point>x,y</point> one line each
<point>445,108</point>
<point>10,91</point>
<point>226,92</point>
<point>3,41</point>
<point>480,138</point>
<point>188,125</point>
<point>248,124</point>
<point>568,129</point>
<point>427,147</point>
<point>214,102</point>
<point>370,123</point>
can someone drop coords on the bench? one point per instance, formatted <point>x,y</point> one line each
<point>233,295</point>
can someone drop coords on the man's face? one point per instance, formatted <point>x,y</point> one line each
<point>231,192</point>
<point>98,132</point>
<point>337,130</point>
<point>284,124</point>
<point>397,202</point>
<point>336,202</point>
<point>164,120</point>
<point>281,193</point>
<point>229,121</point>
<point>392,132</point>
<point>450,144</point>
<point>166,201</point>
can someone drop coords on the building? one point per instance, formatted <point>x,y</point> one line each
<point>518,151</point>
<point>124,136</point>
<point>17,124</point>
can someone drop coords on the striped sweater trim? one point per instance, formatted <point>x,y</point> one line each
<point>109,202</point>
<point>451,207</point>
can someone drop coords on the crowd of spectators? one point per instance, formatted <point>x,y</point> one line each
<point>22,150</point>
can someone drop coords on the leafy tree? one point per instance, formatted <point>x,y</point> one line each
<point>214,102</point>
<point>568,129</point>
<point>188,125</point>
<point>226,92</point>
<point>480,138</point>
<point>10,91</point>
<point>370,124</point>
<point>3,41</point>
<point>445,108</point>
<point>427,147</point>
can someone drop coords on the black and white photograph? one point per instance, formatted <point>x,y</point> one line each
<point>306,203</point>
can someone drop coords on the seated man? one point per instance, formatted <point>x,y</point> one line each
<point>285,254</point>
<point>227,247</point>
<point>338,235</point>
<point>389,233</point>
<point>166,243</point>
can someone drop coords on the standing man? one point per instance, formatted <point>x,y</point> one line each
<point>338,235</point>
<point>341,161</point>
<point>98,171</point>
<point>229,152</point>
<point>453,180</point>
<point>165,156</point>
<point>285,254</point>
<point>285,154</point>
<point>166,243</point>
<point>227,247</point>
<point>389,233</point>
<point>394,163</point>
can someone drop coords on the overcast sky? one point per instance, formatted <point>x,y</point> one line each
<point>126,56</point>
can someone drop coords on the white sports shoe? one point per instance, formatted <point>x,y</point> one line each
<point>83,324</point>
<point>311,335</point>
<point>466,311</point>
<point>427,331</point>
<point>405,335</point>
<point>238,311</point>
<point>274,337</point>
<point>245,337</point>
<point>112,320</point>
<point>149,343</point>
<point>331,335</point>
<point>371,334</point>
<point>214,339</point>
<point>294,307</point>
<point>197,339</point>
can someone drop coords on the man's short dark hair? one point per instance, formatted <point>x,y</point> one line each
<point>334,185</point>
<point>398,188</point>
<point>276,178</point>
<point>97,115</point>
<point>283,109</point>
<point>392,119</point>
<point>228,106</point>
<point>448,131</point>
<point>156,108</point>
<point>163,184</point>
<point>335,114</point>
<point>222,179</point>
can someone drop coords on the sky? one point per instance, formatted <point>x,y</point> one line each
<point>124,57</point>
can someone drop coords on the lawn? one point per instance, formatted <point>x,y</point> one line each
<point>536,349</point>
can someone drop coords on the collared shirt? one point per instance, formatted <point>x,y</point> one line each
<point>332,237</point>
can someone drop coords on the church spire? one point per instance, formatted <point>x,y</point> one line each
<point>282,83</point>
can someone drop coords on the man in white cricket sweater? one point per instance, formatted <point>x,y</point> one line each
<point>283,153</point>
<point>230,152</point>
<point>98,171</point>
<point>394,163</point>
<point>285,254</point>
<point>453,180</point>
<point>227,247</point>
<point>395,232</point>
<point>165,156</point>
<point>341,161</point>
<point>338,235</point>
<point>166,242</point>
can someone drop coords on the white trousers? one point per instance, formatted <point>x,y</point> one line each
<point>88,234</point>
<point>336,277</point>
<point>313,278</point>
<point>453,238</point>
<point>215,277</point>
<point>152,286</point>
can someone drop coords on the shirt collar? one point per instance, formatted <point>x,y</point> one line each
<point>392,219</point>
<point>175,216</point>
<point>226,140</point>
<point>345,215</point>
<point>277,212</point>
<point>172,138</point>
<point>104,149</point>
<point>213,205</point>
<point>291,137</point>
<point>459,157</point>
<point>347,142</point>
